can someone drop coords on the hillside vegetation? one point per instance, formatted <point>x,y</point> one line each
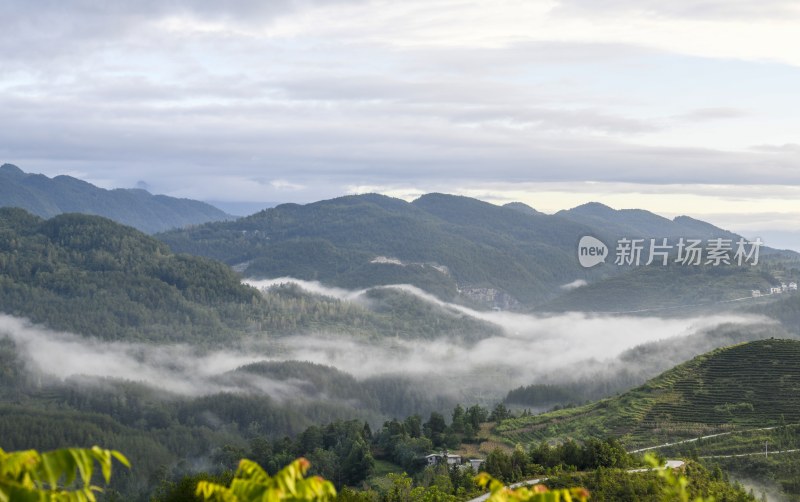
<point>91,276</point>
<point>665,288</point>
<point>337,242</point>
<point>755,384</point>
<point>463,249</point>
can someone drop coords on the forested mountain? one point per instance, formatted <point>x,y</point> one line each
<point>638,222</point>
<point>470,251</point>
<point>91,276</point>
<point>438,243</point>
<point>47,197</point>
<point>664,289</point>
<point>677,289</point>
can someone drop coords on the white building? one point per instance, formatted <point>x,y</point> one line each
<point>436,458</point>
<point>792,286</point>
<point>775,290</point>
<point>476,463</point>
<point>755,293</point>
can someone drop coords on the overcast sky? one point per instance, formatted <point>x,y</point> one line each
<point>680,107</point>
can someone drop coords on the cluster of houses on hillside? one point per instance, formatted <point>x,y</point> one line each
<point>776,290</point>
<point>451,459</point>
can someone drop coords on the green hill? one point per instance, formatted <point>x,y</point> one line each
<point>47,197</point>
<point>440,243</point>
<point>91,276</point>
<point>638,222</point>
<point>755,384</point>
<point>661,289</point>
<point>466,250</point>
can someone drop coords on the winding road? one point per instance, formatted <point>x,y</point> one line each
<point>671,464</point>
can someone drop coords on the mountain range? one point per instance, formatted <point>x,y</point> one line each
<point>47,197</point>
<point>457,248</point>
<point>470,251</point>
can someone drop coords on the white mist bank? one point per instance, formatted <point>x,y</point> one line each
<point>528,349</point>
<point>531,349</point>
<point>174,368</point>
<point>549,342</point>
<point>314,287</point>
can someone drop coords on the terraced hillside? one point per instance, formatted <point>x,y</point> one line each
<point>755,384</point>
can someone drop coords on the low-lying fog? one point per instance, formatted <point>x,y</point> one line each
<point>532,349</point>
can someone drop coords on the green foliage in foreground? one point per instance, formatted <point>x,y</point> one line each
<point>768,459</point>
<point>692,483</point>
<point>538,493</point>
<point>252,483</point>
<point>53,476</point>
<point>67,476</point>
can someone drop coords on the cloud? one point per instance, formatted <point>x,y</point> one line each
<point>285,185</point>
<point>530,349</point>
<point>177,368</point>
<point>792,148</point>
<point>702,9</point>
<point>577,283</point>
<point>314,287</point>
<point>719,113</point>
<point>299,100</point>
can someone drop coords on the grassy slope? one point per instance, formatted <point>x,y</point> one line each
<point>744,386</point>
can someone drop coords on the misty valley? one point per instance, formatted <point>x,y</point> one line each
<point>400,251</point>
<point>400,347</point>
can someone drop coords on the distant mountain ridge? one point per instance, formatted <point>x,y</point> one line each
<point>640,223</point>
<point>48,197</point>
<point>455,247</point>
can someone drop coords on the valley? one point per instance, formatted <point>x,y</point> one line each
<point>186,362</point>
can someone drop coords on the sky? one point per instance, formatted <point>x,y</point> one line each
<point>681,107</point>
